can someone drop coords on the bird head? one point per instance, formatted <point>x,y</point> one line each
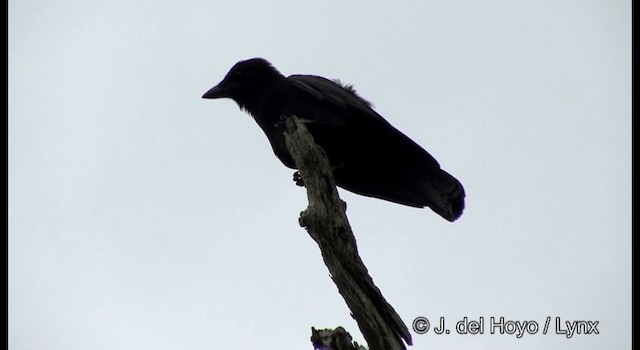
<point>245,82</point>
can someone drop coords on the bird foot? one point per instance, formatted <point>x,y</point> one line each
<point>282,122</point>
<point>297,178</point>
<point>344,205</point>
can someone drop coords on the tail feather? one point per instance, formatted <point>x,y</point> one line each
<point>417,187</point>
<point>445,196</point>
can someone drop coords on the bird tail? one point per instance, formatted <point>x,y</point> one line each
<point>445,196</point>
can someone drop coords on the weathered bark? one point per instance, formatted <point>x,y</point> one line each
<point>333,339</point>
<point>326,222</point>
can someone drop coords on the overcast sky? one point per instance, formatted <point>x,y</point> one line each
<point>144,217</point>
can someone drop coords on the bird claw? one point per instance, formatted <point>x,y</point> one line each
<point>282,122</point>
<point>297,178</point>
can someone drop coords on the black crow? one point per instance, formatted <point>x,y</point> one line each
<point>367,154</point>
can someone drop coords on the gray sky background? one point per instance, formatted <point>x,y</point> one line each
<point>143,217</point>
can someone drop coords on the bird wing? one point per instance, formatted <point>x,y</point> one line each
<point>341,97</point>
<point>338,105</point>
<point>371,157</point>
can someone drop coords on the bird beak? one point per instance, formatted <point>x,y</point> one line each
<point>216,92</point>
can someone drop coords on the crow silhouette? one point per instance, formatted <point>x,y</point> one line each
<point>367,154</point>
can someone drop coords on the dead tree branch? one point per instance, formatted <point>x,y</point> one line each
<point>333,339</point>
<point>326,222</point>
